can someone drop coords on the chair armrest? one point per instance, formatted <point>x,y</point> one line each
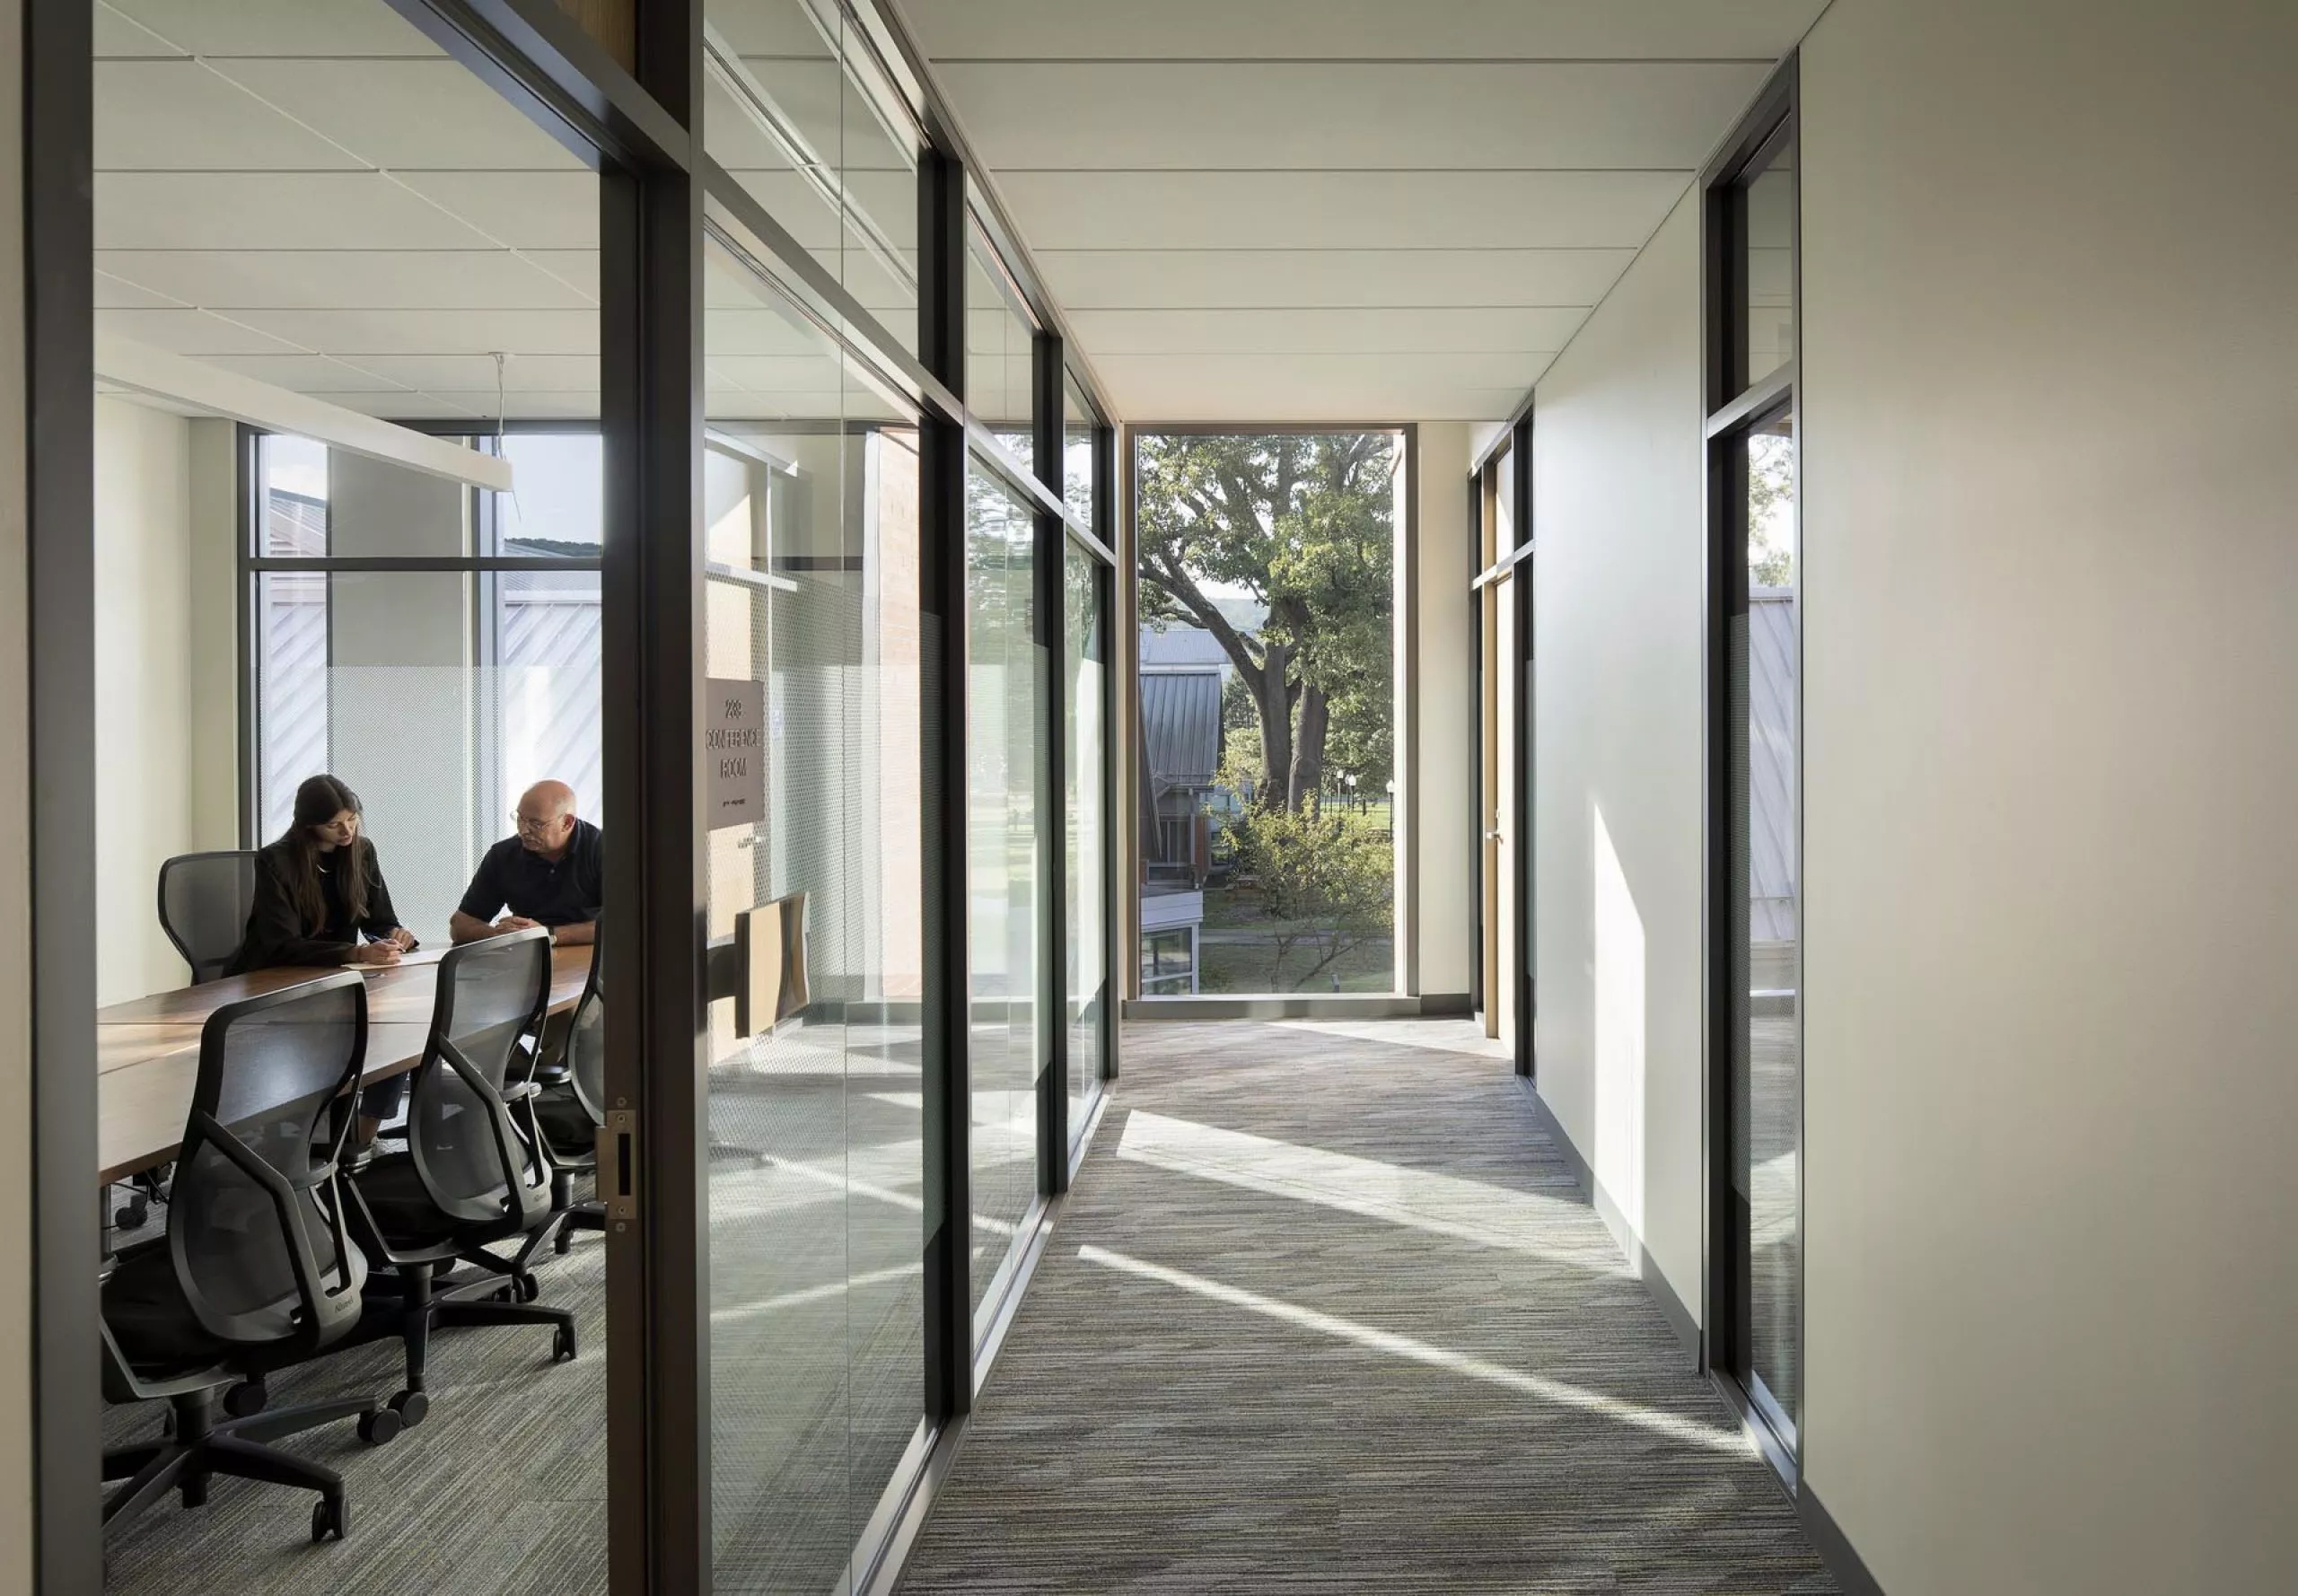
<point>514,1092</point>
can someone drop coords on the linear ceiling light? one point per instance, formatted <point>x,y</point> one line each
<point>162,375</point>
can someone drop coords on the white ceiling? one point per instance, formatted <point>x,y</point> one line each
<point>1250,210</point>
<point>309,192</point>
<point>1261,210</point>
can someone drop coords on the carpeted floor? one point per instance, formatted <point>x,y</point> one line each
<point>1325,1313</point>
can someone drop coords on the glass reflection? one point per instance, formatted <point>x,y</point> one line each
<point>1768,1065</point>
<point>815,1174</point>
<point>1084,750</point>
<point>1005,682</point>
<point>1768,202</point>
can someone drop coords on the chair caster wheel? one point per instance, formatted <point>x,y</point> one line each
<point>246,1399</point>
<point>377,1427</point>
<point>563,1242</point>
<point>525,1288</point>
<point>330,1519</point>
<point>562,1346</point>
<point>132,1216</point>
<point>410,1406</point>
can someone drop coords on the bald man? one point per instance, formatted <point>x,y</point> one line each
<point>548,874</point>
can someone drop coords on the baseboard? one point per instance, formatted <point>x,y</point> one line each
<point>1655,1282</point>
<point>1834,1547</point>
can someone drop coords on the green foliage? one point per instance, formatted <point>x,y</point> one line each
<point>1303,523</point>
<point>1326,883</point>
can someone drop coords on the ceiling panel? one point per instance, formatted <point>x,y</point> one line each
<point>1333,331</point>
<point>433,332</point>
<point>278,27</point>
<point>1363,30</point>
<point>117,35</point>
<point>433,113</point>
<point>1174,279</point>
<point>1346,116</point>
<point>1255,397</point>
<point>1340,210</point>
<point>179,116</point>
<point>273,210</point>
<point>306,373</point>
<point>475,373</point>
<point>322,279</point>
<point>190,332</point>
<point>115,294</point>
<point>526,210</point>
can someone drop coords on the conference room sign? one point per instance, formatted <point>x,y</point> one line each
<point>733,752</point>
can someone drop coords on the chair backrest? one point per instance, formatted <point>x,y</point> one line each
<point>586,1040</point>
<point>254,1220</point>
<point>474,1163</point>
<point>204,904</point>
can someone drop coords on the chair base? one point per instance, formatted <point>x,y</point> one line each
<point>197,1447</point>
<point>421,1310</point>
<point>581,1216</point>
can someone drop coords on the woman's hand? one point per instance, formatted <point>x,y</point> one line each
<point>402,938</point>
<point>381,952</point>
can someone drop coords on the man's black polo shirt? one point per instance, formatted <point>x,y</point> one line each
<point>554,893</point>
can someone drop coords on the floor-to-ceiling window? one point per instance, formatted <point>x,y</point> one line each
<point>433,644</point>
<point>1266,717</point>
<point>1755,849</point>
<point>1502,619</point>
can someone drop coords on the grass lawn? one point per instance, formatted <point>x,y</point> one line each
<point>1238,952</point>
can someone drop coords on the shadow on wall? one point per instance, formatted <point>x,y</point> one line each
<point>1618,1042</point>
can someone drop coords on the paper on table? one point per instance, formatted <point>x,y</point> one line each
<point>420,956</point>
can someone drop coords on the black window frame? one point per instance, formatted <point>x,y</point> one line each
<point>1733,404</point>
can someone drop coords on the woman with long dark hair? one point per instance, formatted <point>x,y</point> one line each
<point>318,888</point>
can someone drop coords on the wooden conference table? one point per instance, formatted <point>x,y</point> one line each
<point>147,1049</point>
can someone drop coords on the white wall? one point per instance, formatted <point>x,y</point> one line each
<point>2051,387</point>
<point>1617,490</point>
<point>144,689</point>
<point>1445,888</point>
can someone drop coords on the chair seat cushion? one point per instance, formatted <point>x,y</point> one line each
<point>150,1321</point>
<point>567,1125</point>
<point>392,1189</point>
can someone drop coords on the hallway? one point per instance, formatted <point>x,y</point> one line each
<point>1325,1312</point>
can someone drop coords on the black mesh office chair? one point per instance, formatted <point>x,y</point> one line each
<point>204,904</point>
<point>255,1272</point>
<point>468,1178</point>
<point>570,1106</point>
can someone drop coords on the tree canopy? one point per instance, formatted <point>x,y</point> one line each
<point>1304,524</point>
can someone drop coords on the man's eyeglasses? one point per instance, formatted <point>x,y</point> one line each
<point>527,827</point>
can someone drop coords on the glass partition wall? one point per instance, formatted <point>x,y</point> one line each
<point>806,590</point>
<point>1754,741</point>
<point>886,787</point>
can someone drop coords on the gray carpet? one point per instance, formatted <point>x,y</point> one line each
<point>1325,1313</point>
<point>502,1489</point>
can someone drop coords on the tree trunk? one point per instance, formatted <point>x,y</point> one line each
<point>1273,709</point>
<point>1308,769</point>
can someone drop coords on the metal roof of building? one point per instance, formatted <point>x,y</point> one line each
<point>1181,648</point>
<point>1180,728</point>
